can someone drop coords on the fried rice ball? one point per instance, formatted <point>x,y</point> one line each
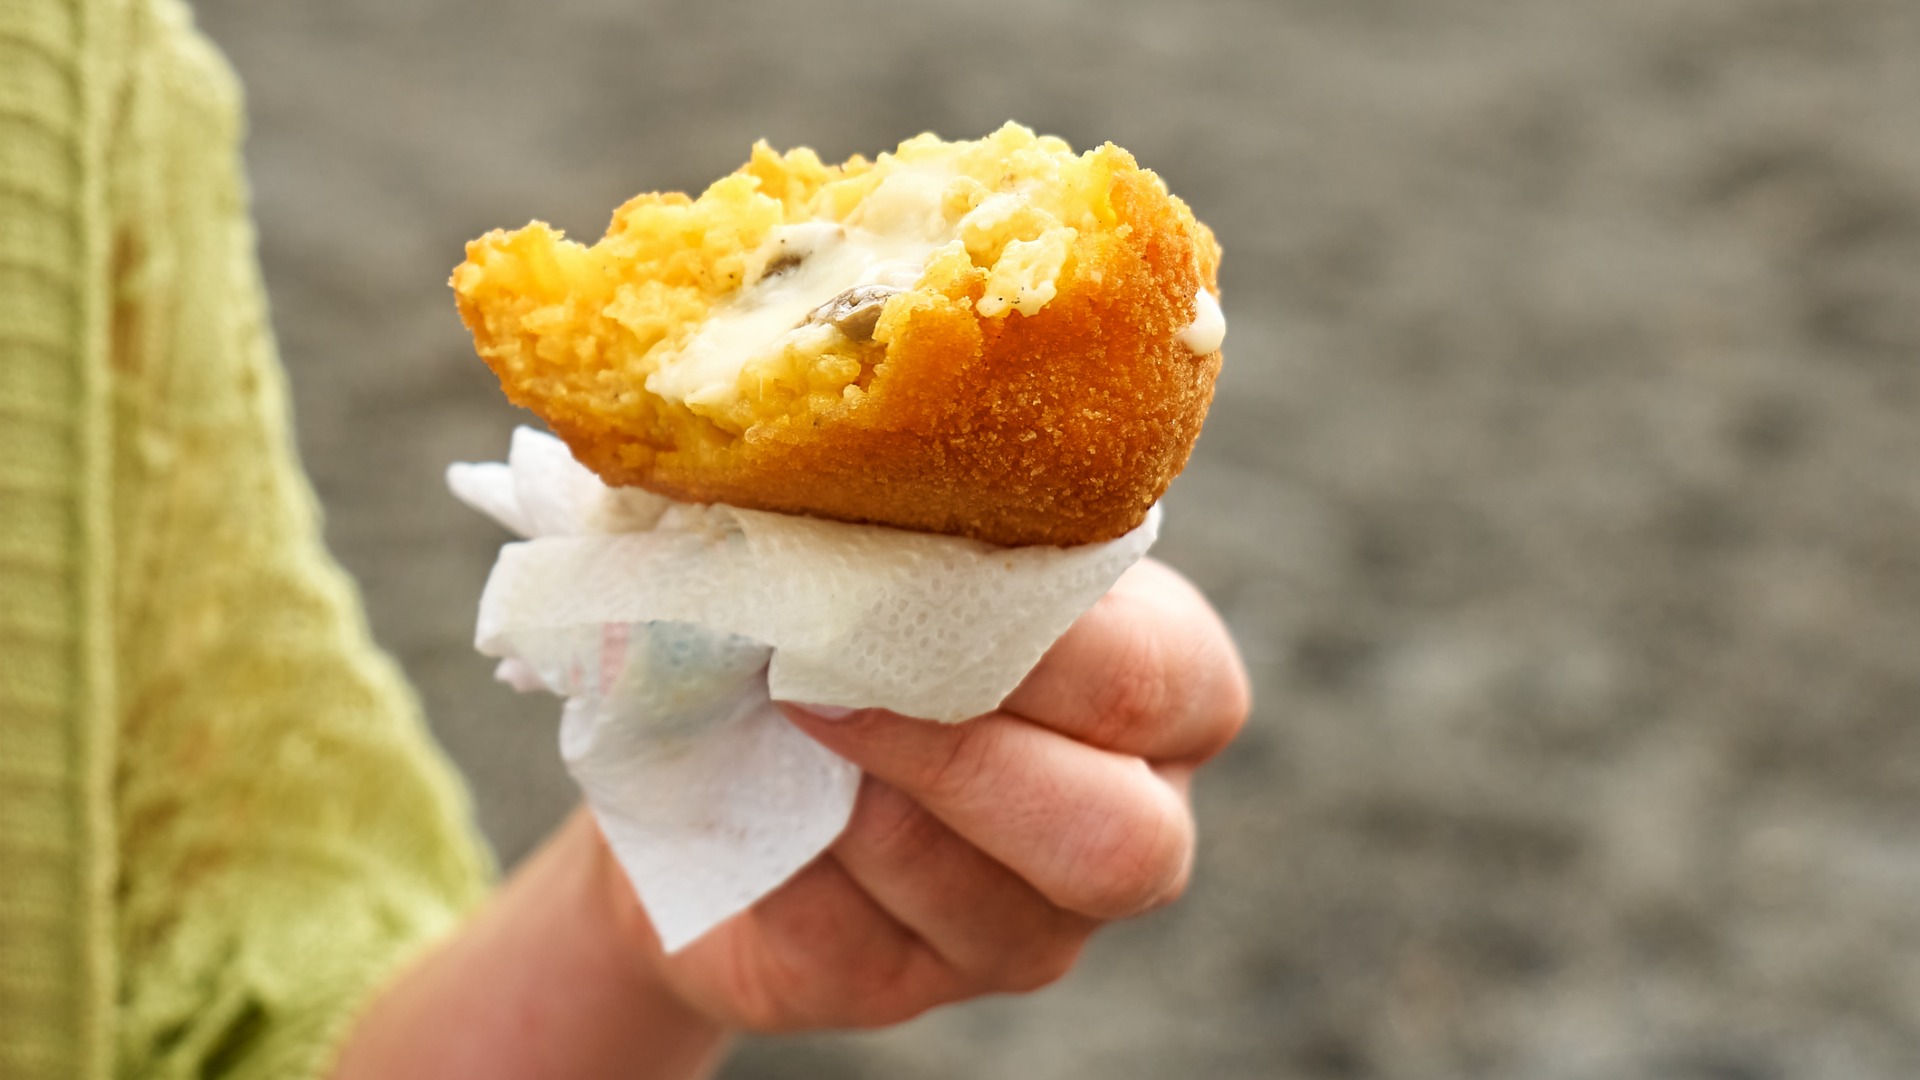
<point>997,339</point>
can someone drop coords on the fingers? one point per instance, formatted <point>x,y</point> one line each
<point>981,856</point>
<point>997,932</point>
<point>899,916</point>
<point>1149,670</point>
<point>1096,832</point>
<point>818,952</point>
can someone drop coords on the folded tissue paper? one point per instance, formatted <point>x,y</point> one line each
<point>672,628</point>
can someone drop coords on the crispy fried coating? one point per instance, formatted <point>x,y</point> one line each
<point>989,340</point>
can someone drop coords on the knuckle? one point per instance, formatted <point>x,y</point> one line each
<point>961,764</point>
<point>1040,965</point>
<point>892,827</point>
<point>888,996</point>
<point>758,1002</point>
<point>1131,866</point>
<point>1232,700</point>
<point>1239,704</point>
<point>1131,690</point>
<point>864,983</point>
<point>1175,885</point>
<point>765,1018</point>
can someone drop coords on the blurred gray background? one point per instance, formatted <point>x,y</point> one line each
<point>1563,488</point>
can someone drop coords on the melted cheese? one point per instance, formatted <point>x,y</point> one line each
<point>886,241</point>
<point>1209,327</point>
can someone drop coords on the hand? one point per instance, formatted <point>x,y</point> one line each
<point>982,855</point>
<point>979,859</point>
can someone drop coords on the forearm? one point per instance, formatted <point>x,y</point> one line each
<point>534,987</point>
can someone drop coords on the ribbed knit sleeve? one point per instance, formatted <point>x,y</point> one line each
<point>280,833</point>
<point>57,711</point>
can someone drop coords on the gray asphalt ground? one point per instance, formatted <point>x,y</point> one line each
<point>1563,489</point>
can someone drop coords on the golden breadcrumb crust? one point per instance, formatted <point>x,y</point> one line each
<point>1059,427</point>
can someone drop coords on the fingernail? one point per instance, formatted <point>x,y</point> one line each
<point>825,712</point>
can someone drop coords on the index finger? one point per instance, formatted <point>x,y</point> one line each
<point>1149,670</point>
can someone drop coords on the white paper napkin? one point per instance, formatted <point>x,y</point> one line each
<point>671,628</point>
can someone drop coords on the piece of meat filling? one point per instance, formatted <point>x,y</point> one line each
<point>855,312</point>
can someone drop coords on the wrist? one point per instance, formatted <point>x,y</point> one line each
<point>605,938</point>
<point>613,931</point>
<point>547,980</point>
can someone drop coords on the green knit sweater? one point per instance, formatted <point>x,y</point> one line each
<point>221,820</point>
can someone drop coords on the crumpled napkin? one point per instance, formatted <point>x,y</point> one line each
<point>671,628</point>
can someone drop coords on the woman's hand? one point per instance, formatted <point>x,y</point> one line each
<point>979,859</point>
<point>982,855</point>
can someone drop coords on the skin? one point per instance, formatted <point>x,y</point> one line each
<point>980,859</point>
